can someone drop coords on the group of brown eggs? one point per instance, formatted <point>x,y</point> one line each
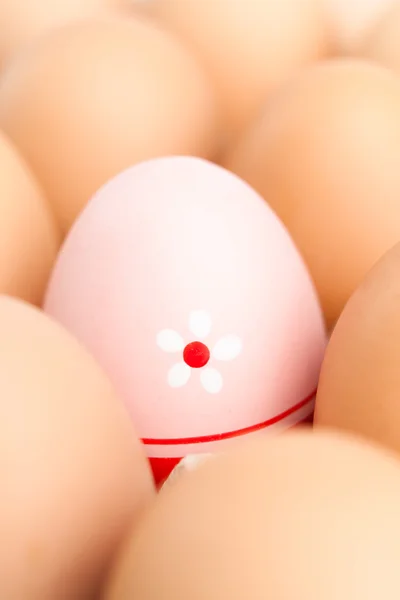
<point>300,98</point>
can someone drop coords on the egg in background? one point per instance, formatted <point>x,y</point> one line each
<point>349,21</point>
<point>324,155</point>
<point>73,474</point>
<point>191,295</point>
<point>305,516</point>
<point>360,380</point>
<point>29,236</point>
<point>249,47</point>
<point>382,43</point>
<point>21,21</point>
<point>95,97</point>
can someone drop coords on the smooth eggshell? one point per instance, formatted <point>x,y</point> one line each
<point>324,156</point>
<point>305,517</point>
<point>382,43</point>
<point>91,99</point>
<point>21,21</point>
<point>249,47</point>
<point>73,474</point>
<point>177,250</point>
<point>29,236</point>
<point>360,381</point>
<point>350,21</point>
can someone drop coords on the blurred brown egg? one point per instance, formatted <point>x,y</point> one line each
<point>325,156</point>
<point>382,44</point>
<point>22,21</point>
<point>360,382</point>
<point>301,516</point>
<point>350,20</point>
<point>73,475</point>
<point>29,236</point>
<point>248,47</point>
<point>91,99</point>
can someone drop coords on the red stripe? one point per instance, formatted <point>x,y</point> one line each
<point>229,434</point>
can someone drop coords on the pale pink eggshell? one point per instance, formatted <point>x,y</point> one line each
<point>177,250</point>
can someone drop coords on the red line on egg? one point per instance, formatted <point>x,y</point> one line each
<point>229,434</point>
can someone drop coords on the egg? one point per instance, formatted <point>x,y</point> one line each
<point>309,517</point>
<point>324,156</point>
<point>248,47</point>
<point>73,474</point>
<point>191,295</point>
<point>22,22</point>
<point>351,20</point>
<point>91,99</point>
<point>381,45</point>
<point>29,236</point>
<point>360,380</point>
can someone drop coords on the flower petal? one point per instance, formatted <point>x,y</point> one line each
<point>227,348</point>
<point>192,461</point>
<point>211,380</point>
<point>200,323</point>
<point>179,375</point>
<point>170,341</point>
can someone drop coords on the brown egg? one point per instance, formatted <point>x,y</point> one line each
<point>325,157</point>
<point>248,47</point>
<point>73,475</point>
<point>360,382</point>
<point>382,43</point>
<point>22,21</point>
<point>350,20</point>
<point>95,97</point>
<point>302,516</point>
<point>29,237</point>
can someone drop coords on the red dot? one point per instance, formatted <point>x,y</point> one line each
<point>196,355</point>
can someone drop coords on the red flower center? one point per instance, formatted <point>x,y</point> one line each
<point>196,355</point>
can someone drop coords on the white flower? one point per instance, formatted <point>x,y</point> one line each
<point>226,348</point>
<point>189,463</point>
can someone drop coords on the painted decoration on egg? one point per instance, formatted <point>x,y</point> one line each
<point>189,463</point>
<point>189,292</point>
<point>196,354</point>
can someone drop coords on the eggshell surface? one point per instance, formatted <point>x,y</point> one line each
<point>311,517</point>
<point>73,473</point>
<point>191,295</point>
<point>382,43</point>
<point>89,100</point>
<point>324,156</point>
<point>21,21</point>
<point>351,20</point>
<point>360,380</point>
<point>249,47</point>
<point>29,236</point>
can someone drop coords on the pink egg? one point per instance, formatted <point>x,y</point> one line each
<point>190,293</point>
